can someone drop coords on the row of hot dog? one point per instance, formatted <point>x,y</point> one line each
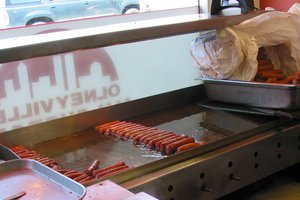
<point>92,172</point>
<point>166,142</point>
<point>267,73</point>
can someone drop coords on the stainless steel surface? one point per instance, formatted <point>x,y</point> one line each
<point>16,196</point>
<point>20,48</point>
<point>37,180</point>
<point>7,154</point>
<point>275,96</point>
<point>78,151</point>
<point>209,176</point>
<point>85,121</point>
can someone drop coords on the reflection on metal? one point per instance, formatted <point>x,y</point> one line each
<point>66,126</point>
<point>214,174</point>
<point>20,48</point>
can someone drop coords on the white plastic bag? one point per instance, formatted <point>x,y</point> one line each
<point>232,53</point>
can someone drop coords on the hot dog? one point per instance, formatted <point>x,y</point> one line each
<point>149,135</point>
<point>139,134</point>
<point>92,167</point>
<point>157,145</point>
<point>172,147</point>
<point>74,175</point>
<point>99,175</point>
<point>163,145</point>
<point>118,132</point>
<point>147,139</point>
<point>108,168</point>
<point>114,172</point>
<point>152,143</point>
<point>189,146</point>
<point>80,178</point>
<point>136,138</point>
<point>129,133</point>
<point>100,128</point>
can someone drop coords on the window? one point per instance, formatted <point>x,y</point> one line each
<point>18,2</point>
<point>67,84</point>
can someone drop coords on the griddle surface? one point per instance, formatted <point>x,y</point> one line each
<point>78,151</point>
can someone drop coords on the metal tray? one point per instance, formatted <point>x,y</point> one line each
<point>7,154</point>
<point>37,181</point>
<point>263,95</point>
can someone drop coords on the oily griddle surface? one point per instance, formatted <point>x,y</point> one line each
<point>79,150</point>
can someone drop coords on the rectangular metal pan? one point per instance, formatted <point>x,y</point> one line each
<point>262,95</point>
<point>7,154</point>
<point>37,181</point>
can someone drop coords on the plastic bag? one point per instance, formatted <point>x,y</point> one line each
<point>231,53</point>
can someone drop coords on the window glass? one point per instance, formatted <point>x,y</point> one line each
<point>46,88</point>
<point>34,12</point>
<point>17,2</point>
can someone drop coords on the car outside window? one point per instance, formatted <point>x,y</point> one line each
<point>18,2</point>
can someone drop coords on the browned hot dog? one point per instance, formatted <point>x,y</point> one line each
<point>172,147</point>
<point>80,178</point>
<point>92,167</point>
<point>152,143</point>
<point>74,175</point>
<point>99,175</point>
<point>164,144</point>
<point>157,145</point>
<point>146,140</point>
<point>129,133</point>
<point>104,126</point>
<point>189,146</point>
<point>115,172</point>
<point>136,139</point>
<point>108,168</point>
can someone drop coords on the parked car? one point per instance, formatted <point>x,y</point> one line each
<point>27,12</point>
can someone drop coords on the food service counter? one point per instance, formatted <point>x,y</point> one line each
<point>239,149</point>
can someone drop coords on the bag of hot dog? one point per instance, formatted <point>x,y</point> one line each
<point>231,53</point>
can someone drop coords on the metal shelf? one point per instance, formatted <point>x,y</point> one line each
<point>20,48</point>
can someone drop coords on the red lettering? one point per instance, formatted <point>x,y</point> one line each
<point>2,117</point>
<point>28,111</point>
<point>77,99</point>
<point>47,106</point>
<point>90,96</point>
<point>104,94</point>
<point>62,101</point>
<point>16,116</point>
<point>114,90</point>
<point>36,108</point>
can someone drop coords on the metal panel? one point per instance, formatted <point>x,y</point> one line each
<point>35,134</point>
<point>20,48</point>
<point>223,171</point>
